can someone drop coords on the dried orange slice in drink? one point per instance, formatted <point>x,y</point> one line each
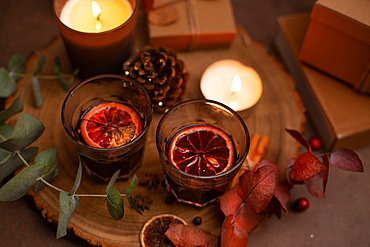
<point>201,150</point>
<point>109,125</point>
<point>152,233</point>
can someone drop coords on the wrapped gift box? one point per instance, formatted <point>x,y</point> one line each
<point>200,24</point>
<point>337,41</point>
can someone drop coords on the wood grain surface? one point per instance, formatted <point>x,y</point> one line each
<point>279,108</point>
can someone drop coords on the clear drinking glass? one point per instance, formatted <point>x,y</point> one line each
<point>104,162</point>
<point>192,189</point>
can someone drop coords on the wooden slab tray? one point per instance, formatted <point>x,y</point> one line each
<point>279,108</point>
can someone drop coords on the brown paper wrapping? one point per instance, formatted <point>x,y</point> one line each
<point>337,41</point>
<point>201,24</point>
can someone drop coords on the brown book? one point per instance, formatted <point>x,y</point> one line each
<point>340,115</point>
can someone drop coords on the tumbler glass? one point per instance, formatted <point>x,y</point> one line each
<point>193,189</point>
<point>104,162</point>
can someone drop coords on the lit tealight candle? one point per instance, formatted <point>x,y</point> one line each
<point>232,83</point>
<point>95,16</point>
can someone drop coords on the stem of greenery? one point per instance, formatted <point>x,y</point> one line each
<point>44,77</point>
<point>21,157</point>
<point>49,184</point>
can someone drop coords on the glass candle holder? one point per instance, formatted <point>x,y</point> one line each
<point>193,189</point>
<point>99,52</point>
<point>104,162</point>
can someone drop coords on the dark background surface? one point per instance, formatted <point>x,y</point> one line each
<point>341,219</point>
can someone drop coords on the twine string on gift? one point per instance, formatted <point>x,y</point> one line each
<point>193,24</point>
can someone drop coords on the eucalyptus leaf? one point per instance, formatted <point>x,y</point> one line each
<point>18,186</point>
<point>37,92</point>
<point>8,84</point>
<point>14,108</point>
<point>14,162</point>
<point>133,204</point>
<point>112,181</point>
<point>78,178</point>
<point>68,205</point>
<point>27,130</point>
<point>4,157</point>
<point>48,158</point>
<point>6,132</point>
<point>16,65</point>
<point>132,185</point>
<point>57,70</point>
<point>115,204</point>
<point>48,177</point>
<point>40,65</point>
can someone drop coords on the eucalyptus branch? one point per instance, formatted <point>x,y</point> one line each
<point>21,157</point>
<point>95,195</point>
<point>16,71</point>
<point>42,77</point>
<point>14,144</point>
<point>51,186</point>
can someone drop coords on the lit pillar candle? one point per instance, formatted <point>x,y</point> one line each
<point>95,16</point>
<point>232,83</point>
<point>99,35</point>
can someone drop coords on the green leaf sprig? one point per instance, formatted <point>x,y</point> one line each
<point>14,153</point>
<point>16,71</point>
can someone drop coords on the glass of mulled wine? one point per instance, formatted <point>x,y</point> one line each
<point>108,117</point>
<point>202,145</point>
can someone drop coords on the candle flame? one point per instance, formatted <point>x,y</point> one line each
<point>236,85</point>
<point>96,10</point>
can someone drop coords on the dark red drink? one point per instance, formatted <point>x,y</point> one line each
<point>109,126</point>
<point>202,151</point>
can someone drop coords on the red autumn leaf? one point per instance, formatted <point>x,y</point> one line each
<point>280,199</point>
<point>231,200</point>
<point>313,189</point>
<point>306,166</point>
<point>288,173</point>
<point>235,229</point>
<point>243,203</point>
<point>281,194</point>
<point>267,162</point>
<point>232,204</point>
<point>347,160</point>
<point>190,236</point>
<point>325,175</point>
<point>258,187</point>
<point>298,136</point>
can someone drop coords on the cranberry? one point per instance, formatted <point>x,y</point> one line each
<point>315,143</point>
<point>301,204</point>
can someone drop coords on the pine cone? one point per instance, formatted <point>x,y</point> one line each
<point>161,73</point>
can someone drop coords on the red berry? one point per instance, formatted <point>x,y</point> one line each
<point>301,204</point>
<point>315,143</point>
<point>197,221</point>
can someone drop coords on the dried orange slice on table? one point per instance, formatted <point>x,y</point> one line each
<point>109,125</point>
<point>152,233</point>
<point>201,150</point>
